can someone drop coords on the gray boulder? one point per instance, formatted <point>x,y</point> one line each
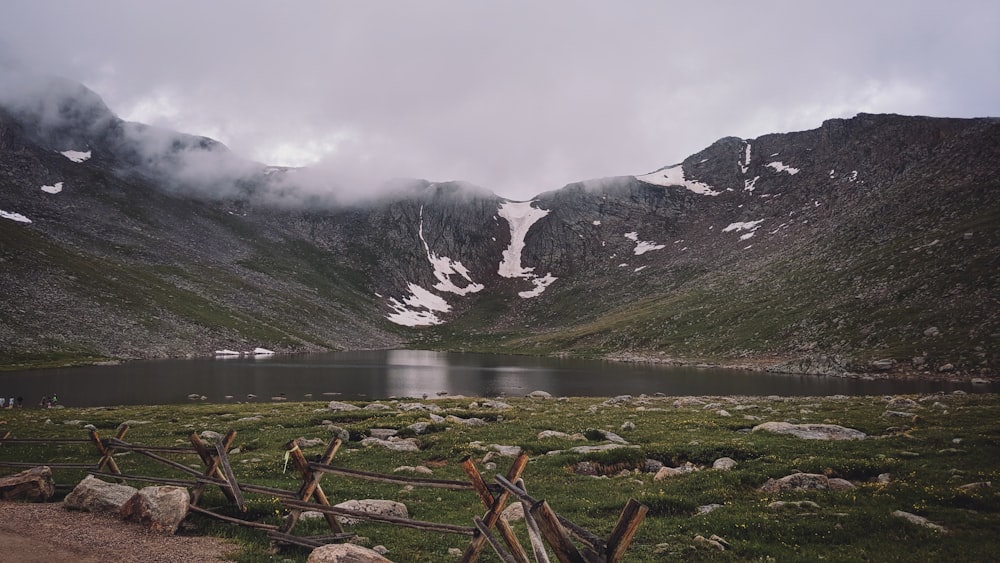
<point>805,482</point>
<point>811,431</point>
<point>95,495</point>
<point>345,553</point>
<point>373,506</point>
<point>338,406</point>
<point>33,484</point>
<point>161,509</point>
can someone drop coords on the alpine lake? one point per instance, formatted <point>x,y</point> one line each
<point>382,374</point>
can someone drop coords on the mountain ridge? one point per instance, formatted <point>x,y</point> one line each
<point>837,246</point>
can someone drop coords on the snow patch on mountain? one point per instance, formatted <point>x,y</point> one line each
<point>54,189</point>
<point>643,246</point>
<point>750,185</point>
<point>778,166</point>
<point>445,268</point>
<point>750,226</point>
<point>674,176</point>
<point>521,216</point>
<point>746,159</point>
<point>419,309</point>
<point>14,216</point>
<point>76,156</point>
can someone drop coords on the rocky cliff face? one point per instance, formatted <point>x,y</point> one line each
<point>851,241</point>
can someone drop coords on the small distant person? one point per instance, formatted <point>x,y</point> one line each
<point>10,404</point>
<point>20,402</point>
<point>54,399</point>
<point>2,401</point>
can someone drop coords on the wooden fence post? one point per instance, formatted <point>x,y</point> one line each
<point>628,524</point>
<point>495,506</point>
<point>107,452</point>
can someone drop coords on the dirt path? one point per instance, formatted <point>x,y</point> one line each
<point>47,533</point>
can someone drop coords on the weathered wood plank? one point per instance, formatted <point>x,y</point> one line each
<point>625,529</point>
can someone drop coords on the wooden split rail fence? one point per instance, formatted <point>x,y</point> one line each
<point>547,531</point>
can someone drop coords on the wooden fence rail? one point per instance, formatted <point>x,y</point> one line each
<point>548,532</point>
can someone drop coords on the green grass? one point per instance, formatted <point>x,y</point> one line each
<point>951,444</point>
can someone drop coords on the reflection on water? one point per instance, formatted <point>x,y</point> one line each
<point>415,373</point>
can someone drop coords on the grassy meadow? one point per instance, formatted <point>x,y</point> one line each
<point>929,448</point>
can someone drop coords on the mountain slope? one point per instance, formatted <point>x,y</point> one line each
<point>867,238</point>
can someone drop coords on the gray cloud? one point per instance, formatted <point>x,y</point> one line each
<point>518,97</point>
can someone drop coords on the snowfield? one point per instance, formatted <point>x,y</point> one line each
<point>674,176</point>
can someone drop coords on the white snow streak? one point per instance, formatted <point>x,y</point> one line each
<point>643,246</point>
<point>445,267</point>
<point>781,167</point>
<point>408,313</point>
<point>750,226</point>
<point>14,216</point>
<point>746,159</point>
<point>76,156</point>
<point>674,176</point>
<point>520,216</point>
<point>53,189</point>
<point>750,185</point>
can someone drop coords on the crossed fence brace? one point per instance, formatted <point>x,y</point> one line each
<point>545,526</point>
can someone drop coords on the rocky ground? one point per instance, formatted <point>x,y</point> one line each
<point>46,532</point>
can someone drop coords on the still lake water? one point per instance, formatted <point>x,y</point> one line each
<point>415,373</point>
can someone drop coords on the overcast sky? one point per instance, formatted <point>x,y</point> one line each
<point>519,97</point>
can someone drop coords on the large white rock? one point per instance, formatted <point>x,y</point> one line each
<point>161,509</point>
<point>95,495</point>
<point>345,553</point>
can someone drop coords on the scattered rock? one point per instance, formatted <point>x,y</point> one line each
<point>946,368</point>
<point>345,553</point>
<point>95,495</point>
<point>585,468</point>
<point>811,431</point>
<point>419,427</point>
<point>688,402</point>
<point>713,543</point>
<point>919,520</point>
<point>406,407</point>
<point>490,404</point>
<point>666,472</point>
<point>338,432</point>
<point>589,449</point>
<point>626,426</point>
<point>309,442</point>
<point>540,395</point>
<point>465,421</point>
<point>513,513</point>
<point>805,481</point>
<point>210,436</point>
<point>377,407</point>
<point>372,506</point>
<point>338,406</point>
<point>161,509</point>
<point>931,332</point>
<point>382,433</point>
<point>394,444</point>
<point>560,435</point>
<point>902,403</point>
<point>706,508</point>
<point>421,469</point>
<point>609,436</point>
<point>651,465</point>
<point>724,463</point>
<point>883,365</point>
<point>33,484</point>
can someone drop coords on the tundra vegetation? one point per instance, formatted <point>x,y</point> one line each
<point>935,457</point>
